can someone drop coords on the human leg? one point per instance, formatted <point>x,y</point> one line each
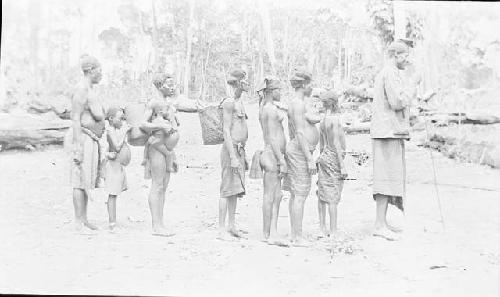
<point>322,217</point>
<point>276,208</point>
<point>79,204</point>
<point>231,215</point>
<point>290,214</point>
<point>381,229</point>
<point>112,210</point>
<point>298,214</point>
<point>267,203</point>
<point>157,193</point>
<point>332,210</point>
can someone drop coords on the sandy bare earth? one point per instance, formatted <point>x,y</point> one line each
<point>40,253</point>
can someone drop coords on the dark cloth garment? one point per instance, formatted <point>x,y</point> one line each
<point>298,179</point>
<point>232,184</point>
<point>330,183</point>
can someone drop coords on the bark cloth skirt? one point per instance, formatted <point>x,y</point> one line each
<point>85,175</point>
<point>233,184</point>
<point>330,183</point>
<point>389,169</point>
<point>298,180</point>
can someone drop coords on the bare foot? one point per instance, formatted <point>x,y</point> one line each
<point>161,231</point>
<point>300,242</point>
<point>112,226</point>
<point>278,241</point>
<point>324,233</point>
<point>223,235</point>
<point>243,231</point>
<point>235,233</point>
<point>394,229</point>
<point>89,225</point>
<point>81,228</point>
<point>334,234</point>
<point>385,233</point>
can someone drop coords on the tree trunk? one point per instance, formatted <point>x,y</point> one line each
<point>311,58</point>
<point>204,72</point>
<point>338,81</point>
<point>154,38</point>
<point>34,16</point>
<point>189,38</point>
<point>285,43</point>
<point>266,25</point>
<point>244,29</point>
<point>399,20</point>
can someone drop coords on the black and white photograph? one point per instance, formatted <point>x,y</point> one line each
<point>250,148</point>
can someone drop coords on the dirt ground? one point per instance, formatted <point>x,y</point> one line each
<point>41,254</point>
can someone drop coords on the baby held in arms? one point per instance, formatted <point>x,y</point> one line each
<point>161,139</point>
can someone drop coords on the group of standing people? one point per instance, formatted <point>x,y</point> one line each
<point>282,164</point>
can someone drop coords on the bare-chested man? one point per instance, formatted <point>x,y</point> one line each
<point>304,137</point>
<point>159,156</point>
<point>88,127</point>
<point>272,157</point>
<point>232,157</point>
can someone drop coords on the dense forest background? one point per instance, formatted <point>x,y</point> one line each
<point>457,46</point>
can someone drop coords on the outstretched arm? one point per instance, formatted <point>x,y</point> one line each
<point>186,105</point>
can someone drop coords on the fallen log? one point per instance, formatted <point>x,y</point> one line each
<point>358,128</point>
<point>476,145</point>
<point>28,131</point>
<point>60,105</point>
<point>359,91</point>
<point>478,118</point>
<point>482,118</point>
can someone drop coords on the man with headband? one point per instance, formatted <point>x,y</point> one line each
<point>232,157</point>
<point>392,97</point>
<point>88,116</point>
<point>304,137</point>
<point>161,123</point>
<point>271,159</point>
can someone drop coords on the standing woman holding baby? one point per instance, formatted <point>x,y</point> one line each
<point>162,125</point>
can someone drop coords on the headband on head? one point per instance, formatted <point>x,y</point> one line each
<point>398,47</point>
<point>88,62</point>
<point>160,78</point>
<point>112,111</point>
<point>236,75</point>
<point>301,76</point>
<point>271,83</point>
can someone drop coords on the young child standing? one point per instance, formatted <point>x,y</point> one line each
<point>331,169</point>
<point>118,156</point>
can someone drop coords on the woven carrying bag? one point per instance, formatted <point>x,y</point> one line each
<point>211,124</point>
